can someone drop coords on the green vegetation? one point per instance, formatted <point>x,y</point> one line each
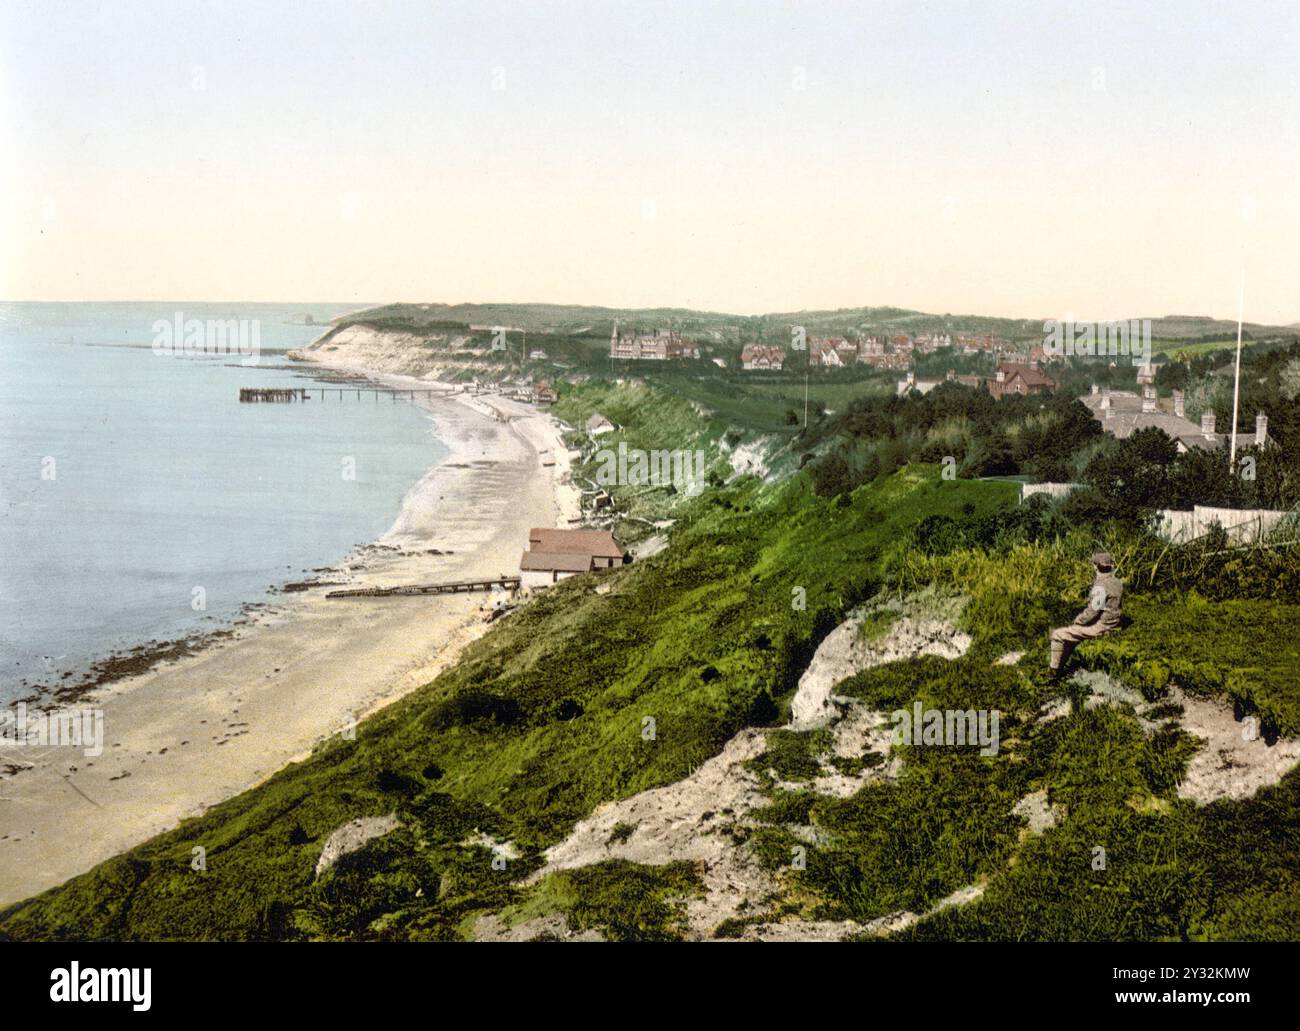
<point>540,722</point>
<point>773,328</point>
<point>1230,648</point>
<point>1119,867</point>
<point>944,823</point>
<point>620,900</point>
<point>983,437</point>
<point>620,681</point>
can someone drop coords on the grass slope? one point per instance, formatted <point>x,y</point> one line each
<point>545,718</point>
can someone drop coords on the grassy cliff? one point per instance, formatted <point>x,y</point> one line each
<point>621,681</point>
<point>542,720</point>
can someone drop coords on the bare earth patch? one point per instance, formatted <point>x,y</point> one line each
<point>1235,761</point>
<point>693,819</point>
<point>686,821</point>
<point>1035,808</point>
<point>846,651</point>
<point>352,835</point>
<point>552,927</point>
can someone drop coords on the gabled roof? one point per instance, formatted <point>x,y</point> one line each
<point>1127,417</point>
<point>1032,375</point>
<point>592,543</point>
<point>550,561</point>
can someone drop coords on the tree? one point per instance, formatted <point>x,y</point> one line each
<point>1135,478</point>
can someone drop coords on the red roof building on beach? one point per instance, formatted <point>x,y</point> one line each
<point>556,554</point>
<point>600,543</point>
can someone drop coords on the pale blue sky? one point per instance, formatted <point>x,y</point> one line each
<point>1035,159</point>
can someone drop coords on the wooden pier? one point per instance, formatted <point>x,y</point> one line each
<point>249,395</point>
<point>256,394</point>
<point>509,583</point>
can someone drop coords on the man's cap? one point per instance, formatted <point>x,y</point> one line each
<point>1103,559</point>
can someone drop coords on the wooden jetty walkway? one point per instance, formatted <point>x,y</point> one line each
<point>282,395</point>
<point>509,583</point>
<point>248,395</point>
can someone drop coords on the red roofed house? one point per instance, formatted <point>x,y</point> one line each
<point>826,351</point>
<point>553,555</point>
<point>756,356</point>
<point>1012,378</point>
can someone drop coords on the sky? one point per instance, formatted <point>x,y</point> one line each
<point>1043,159</point>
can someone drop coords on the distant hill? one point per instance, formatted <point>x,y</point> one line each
<point>573,319</point>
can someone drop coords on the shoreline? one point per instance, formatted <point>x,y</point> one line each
<point>205,726</point>
<point>135,660</point>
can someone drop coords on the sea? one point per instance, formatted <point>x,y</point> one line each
<point>140,501</point>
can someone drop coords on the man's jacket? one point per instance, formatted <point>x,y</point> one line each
<point>1103,603</point>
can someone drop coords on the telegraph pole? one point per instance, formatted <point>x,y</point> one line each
<point>1236,383</point>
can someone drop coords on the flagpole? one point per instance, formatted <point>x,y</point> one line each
<point>1236,383</point>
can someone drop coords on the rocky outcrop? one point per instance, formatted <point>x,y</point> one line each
<point>921,628</point>
<point>352,835</point>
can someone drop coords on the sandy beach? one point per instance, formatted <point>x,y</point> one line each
<point>192,733</point>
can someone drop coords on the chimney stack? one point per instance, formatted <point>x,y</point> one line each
<point>1261,429</point>
<point>1207,424</point>
<point>1178,404</point>
<point>1094,390</point>
<point>1148,399</point>
<point>1105,399</point>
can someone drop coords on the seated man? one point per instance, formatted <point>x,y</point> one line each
<point>1100,617</point>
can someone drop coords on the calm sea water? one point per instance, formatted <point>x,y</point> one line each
<point>139,500</point>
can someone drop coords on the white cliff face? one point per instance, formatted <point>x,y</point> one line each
<point>750,457</point>
<point>366,351</point>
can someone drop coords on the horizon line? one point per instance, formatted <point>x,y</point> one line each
<point>665,307</point>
